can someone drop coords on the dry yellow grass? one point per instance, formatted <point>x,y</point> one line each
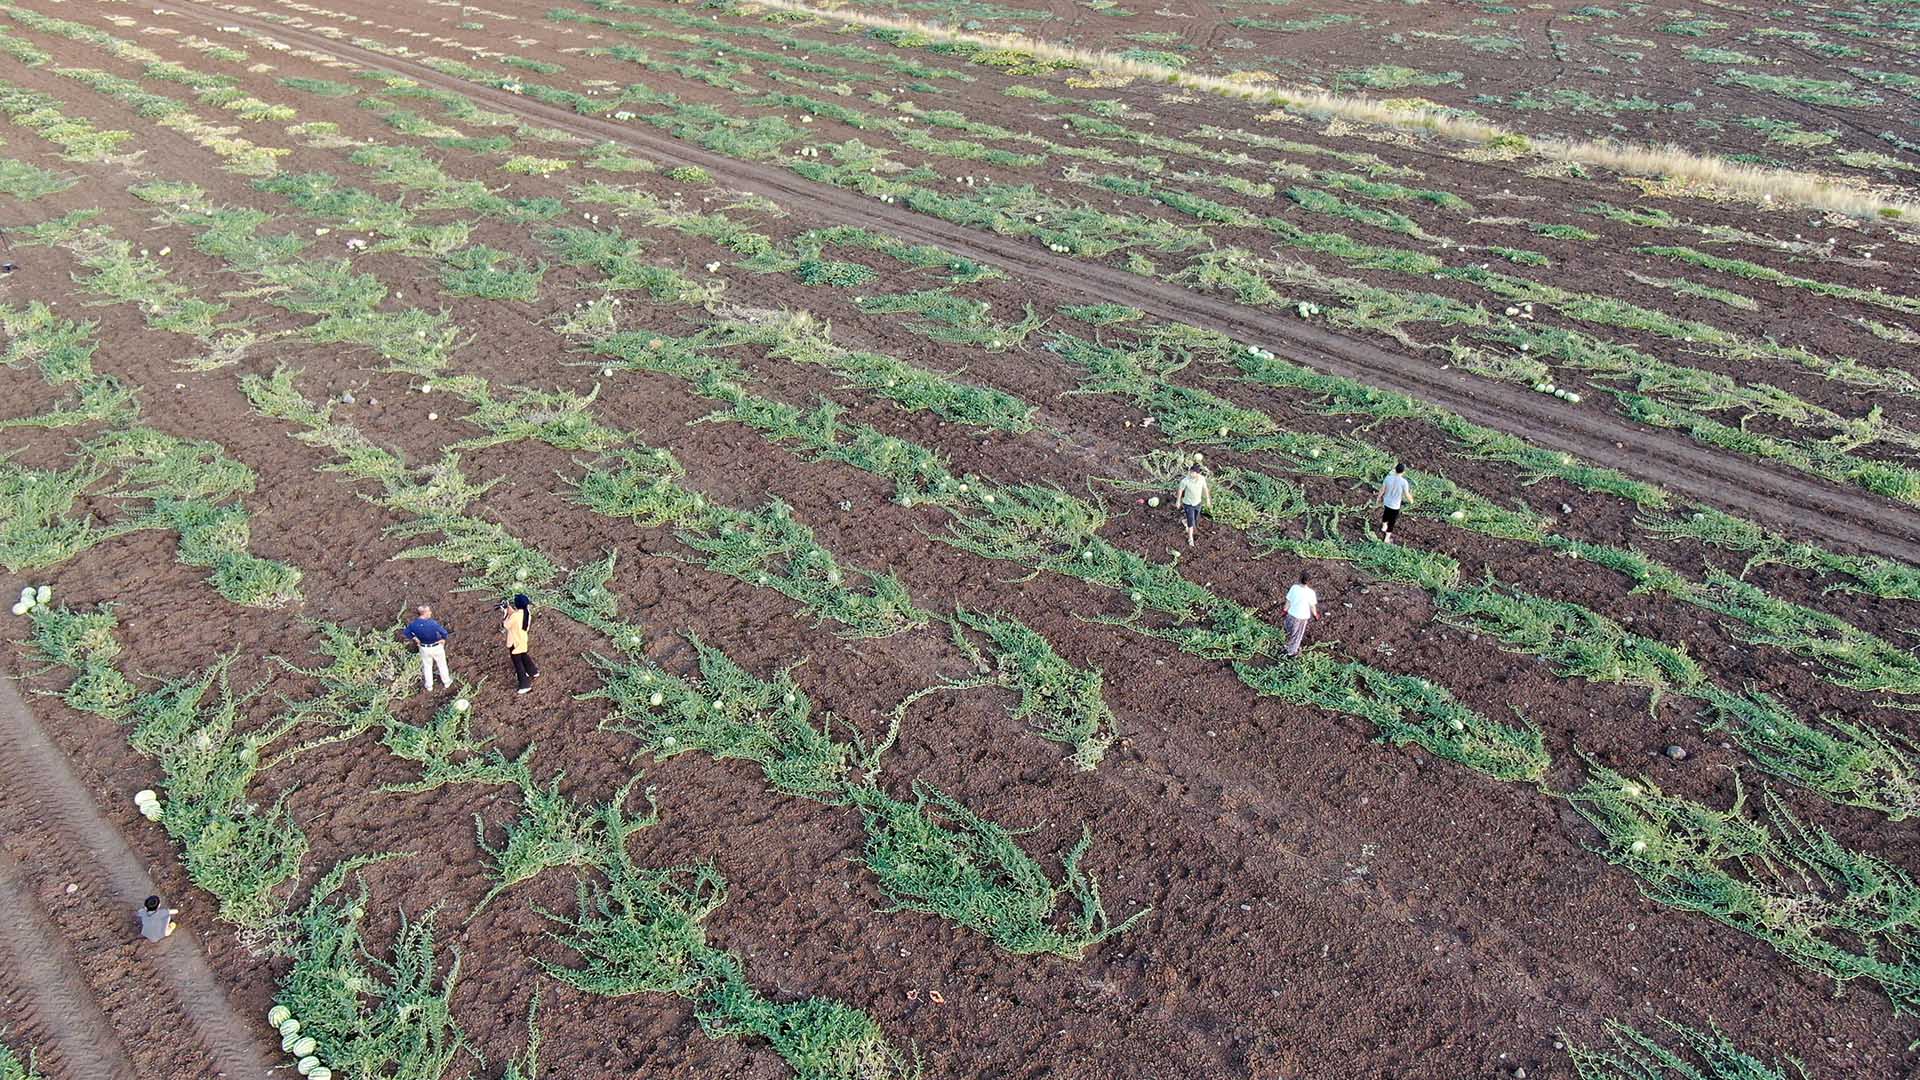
<point>1690,173</point>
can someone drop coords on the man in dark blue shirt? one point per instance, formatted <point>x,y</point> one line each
<point>431,637</point>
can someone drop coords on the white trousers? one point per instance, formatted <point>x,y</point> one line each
<point>431,655</point>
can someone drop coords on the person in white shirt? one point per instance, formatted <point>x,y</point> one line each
<point>1193,493</point>
<point>1303,606</point>
<point>1394,491</point>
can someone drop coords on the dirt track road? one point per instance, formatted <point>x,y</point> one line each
<point>62,1022</point>
<point>88,850</point>
<point>1789,501</point>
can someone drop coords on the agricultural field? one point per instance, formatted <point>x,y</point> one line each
<point>1828,87</point>
<point>823,377</point>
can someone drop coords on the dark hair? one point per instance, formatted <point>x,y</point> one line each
<point>1401,467</point>
<point>1304,574</point>
<point>153,903</point>
<point>520,601</point>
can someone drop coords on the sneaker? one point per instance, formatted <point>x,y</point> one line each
<point>1389,538</point>
<point>524,689</point>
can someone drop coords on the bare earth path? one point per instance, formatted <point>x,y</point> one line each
<point>54,1014</point>
<point>88,850</point>
<point>1790,501</point>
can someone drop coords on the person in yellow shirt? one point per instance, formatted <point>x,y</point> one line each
<point>517,622</point>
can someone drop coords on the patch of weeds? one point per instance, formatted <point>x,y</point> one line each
<point>642,931</point>
<point>1791,885</point>
<point>553,831</point>
<point>934,855</point>
<point>1063,703</point>
<point>1392,77</point>
<point>1687,1054</point>
<point>1404,709</point>
<point>491,274</point>
<point>729,713</point>
<point>29,182</point>
<point>371,1015</point>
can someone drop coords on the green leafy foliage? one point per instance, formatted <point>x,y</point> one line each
<point>29,182</point>
<point>936,856</point>
<point>622,261</point>
<point>642,931</point>
<point>1063,703</point>
<point>491,274</point>
<point>1579,643</point>
<point>765,546</point>
<point>448,752</point>
<point>1872,575</point>
<point>1687,1054</point>
<point>241,854</point>
<point>554,831</point>
<point>372,1015</point>
<point>730,714</point>
<point>1837,911</point>
<point>18,1065</point>
<point>1405,709</point>
<point>1846,762</point>
<point>38,523</point>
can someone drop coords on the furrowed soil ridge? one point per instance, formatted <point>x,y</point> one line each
<point>1786,500</point>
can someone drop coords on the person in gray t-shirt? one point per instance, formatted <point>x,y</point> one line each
<point>1394,491</point>
<point>156,919</point>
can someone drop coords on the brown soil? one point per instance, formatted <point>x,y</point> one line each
<point>1749,487</point>
<point>1322,907</point>
<point>1571,69</point>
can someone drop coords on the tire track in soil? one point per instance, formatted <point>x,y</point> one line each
<point>1789,501</point>
<point>71,1033</point>
<point>99,859</point>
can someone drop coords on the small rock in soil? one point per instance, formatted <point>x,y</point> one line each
<point>1677,752</point>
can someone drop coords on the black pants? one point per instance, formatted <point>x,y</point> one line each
<point>524,668</point>
<point>1389,515</point>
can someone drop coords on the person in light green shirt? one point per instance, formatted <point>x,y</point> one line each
<point>1193,493</point>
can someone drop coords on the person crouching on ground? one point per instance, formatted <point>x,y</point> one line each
<point>156,919</point>
<point>431,638</point>
<point>517,622</point>
<point>1303,606</point>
